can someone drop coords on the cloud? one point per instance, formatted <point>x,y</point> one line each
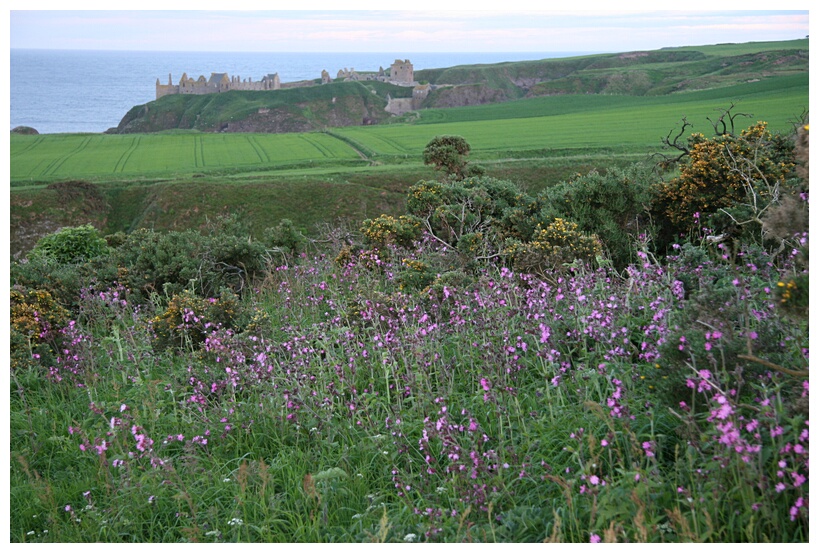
<point>401,30</point>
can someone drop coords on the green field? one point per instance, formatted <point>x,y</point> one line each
<point>79,155</point>
<point>579,124</point>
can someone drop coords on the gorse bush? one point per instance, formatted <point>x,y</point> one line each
<point>448,154</point>
<point>386,230</point>
<point>552,248</point>
<point>169,262</point>
<point>285,237</point>
<point>726,183</point>
<point>189,319</point>
<point>36,319</point>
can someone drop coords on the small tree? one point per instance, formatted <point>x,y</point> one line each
<point>448,153</point>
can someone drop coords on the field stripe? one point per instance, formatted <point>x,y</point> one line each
<point>126,155</point>
<point>263,157</point>
<point>198,158</point>
<point>320,147</point>
<point>201,140</point>
<point>399,147</point>
<point>58,162</point>
<point>32,144</point>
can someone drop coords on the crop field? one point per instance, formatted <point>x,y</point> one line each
<point>581,123</point>
<point>630,123</point>
<point>763,94</point>
<point>78,155</point>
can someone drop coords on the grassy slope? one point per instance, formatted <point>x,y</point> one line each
<point>636,73</point>
<point>313,106</point>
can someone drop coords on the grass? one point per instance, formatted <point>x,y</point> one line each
<point>115,156</point>
<point>353,411</point>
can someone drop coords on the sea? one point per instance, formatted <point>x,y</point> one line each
<point>90,91</point>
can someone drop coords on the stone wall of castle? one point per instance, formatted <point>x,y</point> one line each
<point>401,73</point>
<point>400,106</point>
<point>218,82</point>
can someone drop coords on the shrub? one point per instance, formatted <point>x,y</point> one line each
<point>551,248</point>
<point>36,318</point>
<point>447,153</point>
<point>736,177</point>
<point>162,262</point>
<point>285,237</point>
<point>386,230</point>
<point>189,319</point>
<point>39,274</point>
<point>71,245</point>
<point>172,261</point>
<point>414,275</point>
<point>613,205</point>
<point>475,205</point>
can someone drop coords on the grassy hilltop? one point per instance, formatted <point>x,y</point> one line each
<point>287,110</point>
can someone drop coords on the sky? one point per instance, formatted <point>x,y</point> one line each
<point>592,27</point>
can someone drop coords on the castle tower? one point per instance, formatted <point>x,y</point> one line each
<point>402,72</point>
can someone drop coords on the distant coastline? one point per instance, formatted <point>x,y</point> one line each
<point>96,88</point>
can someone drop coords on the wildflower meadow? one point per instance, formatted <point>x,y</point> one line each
<point>488,368</point>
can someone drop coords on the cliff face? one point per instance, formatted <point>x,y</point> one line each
<point>465,95</point>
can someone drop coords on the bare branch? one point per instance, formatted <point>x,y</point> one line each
<point>721,123</point>
<point>676,144</point>
<point>774,366</point>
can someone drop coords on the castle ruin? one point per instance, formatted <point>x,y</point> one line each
<point>401,73</point>
<point>218,82</point>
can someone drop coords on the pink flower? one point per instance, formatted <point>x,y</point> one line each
<point>594,538</point>
<point>545,332</point>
